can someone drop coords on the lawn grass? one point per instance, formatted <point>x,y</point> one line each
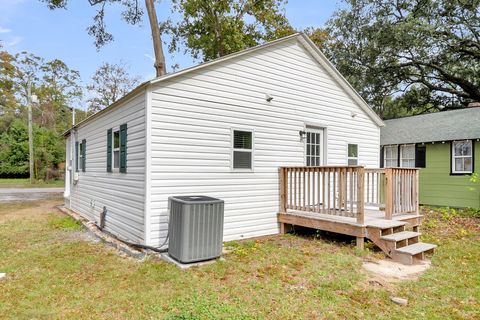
<point>25,183</point>
<point>53,272</point>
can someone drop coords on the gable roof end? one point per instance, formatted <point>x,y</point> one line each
<point>302,38</point>
<point>320,57</point>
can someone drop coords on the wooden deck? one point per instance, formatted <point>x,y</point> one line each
<point>378,204</point>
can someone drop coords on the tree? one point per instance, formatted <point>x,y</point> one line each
<point>7,97</point>
<point>49,150</point>
<point>57,87</point>
<point>132,14</point>
<point>211,29</point>
<point>109,83</point>
<point>395,49</point>
<point>14,150</point>
<point>55,84</point>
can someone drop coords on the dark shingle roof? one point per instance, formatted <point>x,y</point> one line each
<point>439,126</point>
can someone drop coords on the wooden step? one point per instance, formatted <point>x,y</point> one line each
<point>385,224</point>
<point>416,248</point>
<point>407,217</point>
<point>399,236</point>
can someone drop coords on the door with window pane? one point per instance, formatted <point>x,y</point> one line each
<point>314,147</point>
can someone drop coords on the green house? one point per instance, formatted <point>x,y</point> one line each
<point>445,146</point>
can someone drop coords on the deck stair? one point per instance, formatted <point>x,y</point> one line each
<point>399,244</point>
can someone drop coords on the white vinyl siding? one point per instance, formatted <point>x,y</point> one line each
<point>122,194</point>
<point>191,134</point>
<point>390,156</point>
<point>462,161</point>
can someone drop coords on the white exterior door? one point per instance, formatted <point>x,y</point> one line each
<point>314,147</point>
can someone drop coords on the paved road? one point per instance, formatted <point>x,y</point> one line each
<point>27,194</point>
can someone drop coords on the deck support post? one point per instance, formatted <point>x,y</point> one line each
<point>285,228</point>
<point>389,206</point>
<point>361,195</point>
<point>282,172</point>
<point>360,243</point>
<point>417,193</point>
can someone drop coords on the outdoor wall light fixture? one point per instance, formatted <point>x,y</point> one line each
<point>268,97</point>
<point>302,134</point>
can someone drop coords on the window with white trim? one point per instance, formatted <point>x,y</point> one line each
<point>116,149</point>
<point>242,149</point>
<point>314,147</point>
<point>462,152</point>
<point>352,154</point>
<point>80,156</point>
<point>407,156</point>
<point>390,156</point>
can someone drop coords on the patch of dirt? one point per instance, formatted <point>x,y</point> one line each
<point>385,271</point>
<point>82,235</point>
<point>21,210</point>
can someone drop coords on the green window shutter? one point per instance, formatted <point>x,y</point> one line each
<point>84,152</point>
<point>123,148</point>
<point>76,156</point>
<point>109,150</point>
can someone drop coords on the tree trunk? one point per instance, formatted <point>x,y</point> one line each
<point>156,37</point>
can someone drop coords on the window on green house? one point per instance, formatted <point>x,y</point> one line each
<point>390,156</point>
<point>407,156</point>
<point>462,159</point>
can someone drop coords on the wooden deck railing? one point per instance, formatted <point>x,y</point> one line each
<point>374,187</point>
<point>345,191</point>
<point>328,190</point>
<point>401,191</point>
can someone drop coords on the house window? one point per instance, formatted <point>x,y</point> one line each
<point>462,156</point>
<point>390,156</point>
<point>314,145</point>
<point>407,156</point>
<point>353,154</point>
<point>420,156</point>
<point>80,151</point>
<point>80,157</point>
<point>242,149</point>
<point>116,149</point>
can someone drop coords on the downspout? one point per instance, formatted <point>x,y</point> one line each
<point>73,134</point>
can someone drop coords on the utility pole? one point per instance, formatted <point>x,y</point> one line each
<point>30,131</point>
<point>73,116</point>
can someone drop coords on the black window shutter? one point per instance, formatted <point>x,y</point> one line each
<point>399,149</point>
<point>381,158</point>
<point>123,148</point>
<point>76,156</point>
<point>84,152</point>
<point>420,156</point>
<point>109,150</point>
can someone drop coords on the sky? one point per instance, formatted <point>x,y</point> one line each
<point>28,25</point>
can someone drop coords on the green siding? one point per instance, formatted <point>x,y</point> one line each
<point>438,187</point>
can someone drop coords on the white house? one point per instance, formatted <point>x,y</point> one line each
<point>221,129</point>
